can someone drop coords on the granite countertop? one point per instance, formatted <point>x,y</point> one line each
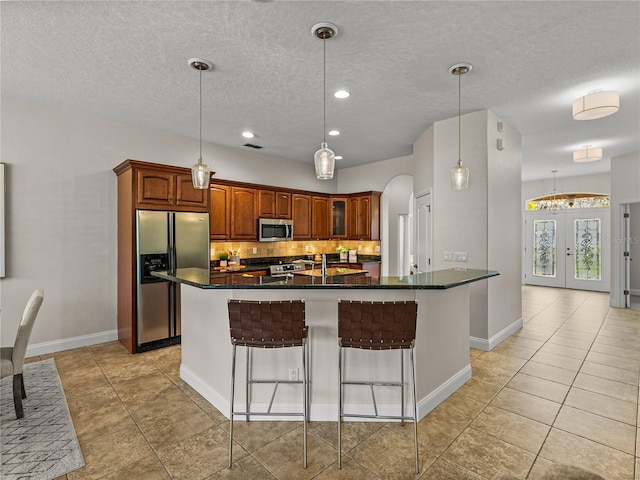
<point>331,272</point>
<point>438,280</point>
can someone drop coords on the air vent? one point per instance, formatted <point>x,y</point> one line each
<point>251,145</point>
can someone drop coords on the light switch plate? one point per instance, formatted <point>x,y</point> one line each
<point>460,256</point>
<point>448,256</point>
<point>255,250</point>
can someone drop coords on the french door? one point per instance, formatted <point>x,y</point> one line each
<point>568,249</point>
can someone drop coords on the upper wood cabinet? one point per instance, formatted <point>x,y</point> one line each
<point>301,206</point>
<point>338,217</point>
<point>219,212</point>
<point>320,216</point>
<point>364,216</point>
<point>166,188</point>
<point>244,207</point>
<point>274,204</point>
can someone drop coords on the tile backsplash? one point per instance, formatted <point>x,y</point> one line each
<point>292,248</point>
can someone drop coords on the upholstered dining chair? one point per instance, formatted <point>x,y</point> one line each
<point>12,358</point>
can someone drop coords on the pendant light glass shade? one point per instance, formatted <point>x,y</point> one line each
<point>587,154</point>
<point>200,173</point>
<point>596,105</point>
<point>459,177</point>
<point>325,161</point>
<point>459,173</point>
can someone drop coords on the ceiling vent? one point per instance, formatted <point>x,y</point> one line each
<point>251,145</point>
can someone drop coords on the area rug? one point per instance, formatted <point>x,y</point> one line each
<point>42,445</point>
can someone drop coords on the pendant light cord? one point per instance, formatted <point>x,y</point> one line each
<point>324,90</point>
<point>200,158</point>
<point>459,121</point>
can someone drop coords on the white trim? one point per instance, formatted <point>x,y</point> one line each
<point>635,292</point>
<point>490,344</point>
<point>69,343</point>
<point>328,412</point>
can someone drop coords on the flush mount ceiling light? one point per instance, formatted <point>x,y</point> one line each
<point>596,104</point>
<point>200,173</point>
<point>587,154</point>
<point>459,174</point>
<point>342,94</point>
<point>324,159</point>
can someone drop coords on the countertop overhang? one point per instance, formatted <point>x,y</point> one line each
<point>436,280</point>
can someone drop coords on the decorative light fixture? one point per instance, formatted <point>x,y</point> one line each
<point>324,159</point>
<point>459,174</point>
<point>200,173</point>
<point>596,104</point>
<point>587,154</point>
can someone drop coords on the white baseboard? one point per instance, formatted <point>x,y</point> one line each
<point>635,292</point>
<point>69,343</point>
<point>328,412</point>
<point>488,345</point>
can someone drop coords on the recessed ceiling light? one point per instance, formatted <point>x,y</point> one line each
<point>333,133</point>
<point>338,157</point>
<point>248,134</point>
<point>342,94</point>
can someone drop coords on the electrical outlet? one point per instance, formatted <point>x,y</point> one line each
<point>377,248</point>
<point>460,256</point>
<point>448,256</point>
<point>255,250</point>
<point>359,248</point>
<point>293,374</point>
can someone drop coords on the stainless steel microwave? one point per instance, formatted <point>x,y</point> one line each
<point>274,230</point>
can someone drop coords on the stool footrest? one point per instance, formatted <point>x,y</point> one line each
<point>264,414</point>
<point>382,417</point>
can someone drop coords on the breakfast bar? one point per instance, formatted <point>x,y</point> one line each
<point>441,352</point>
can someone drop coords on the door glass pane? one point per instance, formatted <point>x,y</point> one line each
<point>544,248</point>
<point>587,248</point>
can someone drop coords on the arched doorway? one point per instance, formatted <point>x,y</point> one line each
<point>396,213</point>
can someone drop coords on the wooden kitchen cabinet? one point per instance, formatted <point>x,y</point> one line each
<point>364,216</point>
<point>219,212</point>
<point>301,214</point>
<point>167,188</point>
<point>274,204</point>
<point>244,207</point>
<point>320,216</point>
<point>338,218</point>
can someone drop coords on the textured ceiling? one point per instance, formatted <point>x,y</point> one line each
<point>127,62</point>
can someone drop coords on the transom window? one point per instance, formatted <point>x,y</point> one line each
<point>565,201</point>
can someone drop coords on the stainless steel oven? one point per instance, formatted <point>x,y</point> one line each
<point>274,230</point>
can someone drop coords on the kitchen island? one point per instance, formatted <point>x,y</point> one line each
<point>442,338</point>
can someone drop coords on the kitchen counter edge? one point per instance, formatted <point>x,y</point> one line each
<point>436,280</point>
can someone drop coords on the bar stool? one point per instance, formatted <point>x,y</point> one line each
<point>378,326</point>
<point>268,324</point>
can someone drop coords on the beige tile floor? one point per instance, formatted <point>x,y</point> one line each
<point>564,389</point>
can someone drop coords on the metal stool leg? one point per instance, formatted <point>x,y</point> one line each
<point>415,409</point>
<point>248,384</point>
<point>402,386</point>
<point>305,405</point>
<point>233,378</point>
<point>339,407</point>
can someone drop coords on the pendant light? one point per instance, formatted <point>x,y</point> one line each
<point>200,173</point>
<point>324,159</point>
<point>459,174</point>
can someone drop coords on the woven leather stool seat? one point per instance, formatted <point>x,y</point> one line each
<point>264,324</point>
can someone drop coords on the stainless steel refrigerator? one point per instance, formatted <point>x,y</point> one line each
<point>165,241</point>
